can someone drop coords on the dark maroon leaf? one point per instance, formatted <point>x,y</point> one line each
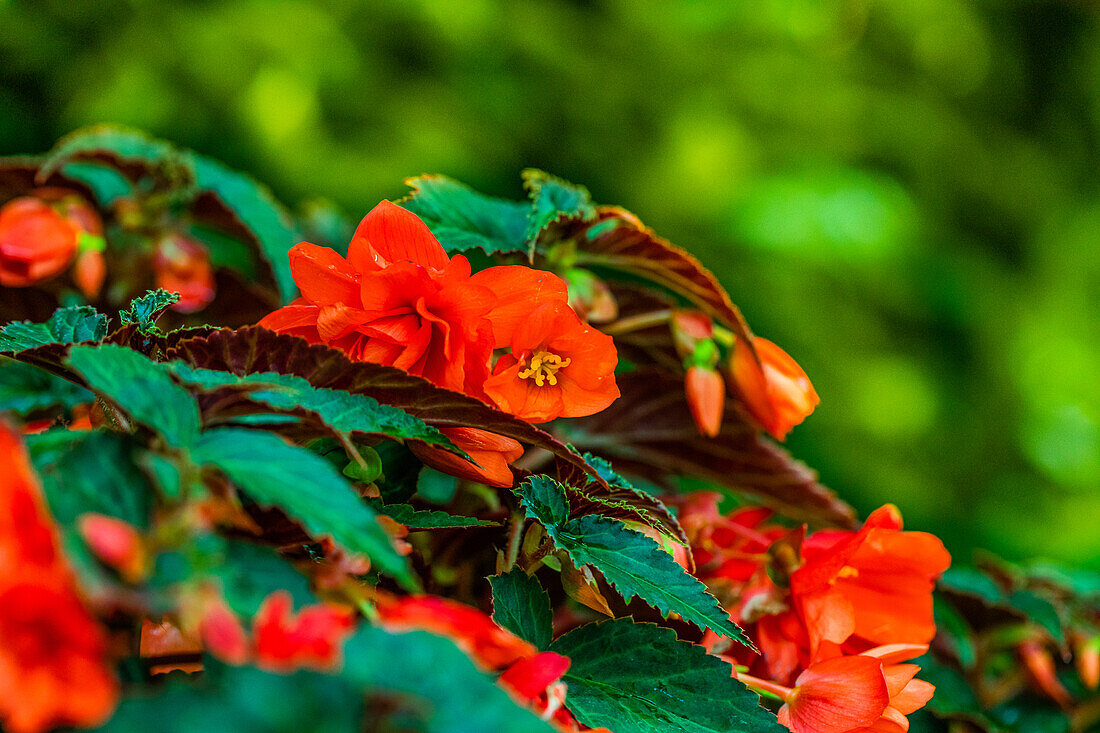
<point>254,349</point>
<point>619,241</point>
<point>649,432</point>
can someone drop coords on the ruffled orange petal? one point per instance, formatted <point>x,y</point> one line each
<point>395,235</point>
<point>519,290</point>
<point>323,276</point>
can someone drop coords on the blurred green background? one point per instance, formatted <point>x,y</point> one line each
<point>904,194</point>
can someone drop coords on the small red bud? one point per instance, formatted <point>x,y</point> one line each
<point>115,542</point>
<point>182,266</point>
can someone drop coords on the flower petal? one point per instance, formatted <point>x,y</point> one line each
<point>396,235</point>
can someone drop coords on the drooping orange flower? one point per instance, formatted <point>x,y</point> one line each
<point>558,367</point>
<point>182,265</point>
<point>837,695</point>
<point>36,242</point>
<point>706,397</point>
<point>776,391</point>
<point>397,299</point>
<point>491,646</point>
<point>53,654</point>
<point>491,452</point>
<point>874,585</point>
<point>313,637</point>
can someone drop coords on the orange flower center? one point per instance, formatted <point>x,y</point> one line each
<point>544,368</point>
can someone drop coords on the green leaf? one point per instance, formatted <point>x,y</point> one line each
<point>241,700</point>
<point>275,473</point>
<point>637,566</point>
<point>435,486</point>
<point>463,219</point>
<point>972,582</point>
<point>632,562</point>
<point>132,151</point>
<point>90,472</point>
<point>553,199</point>
<point>144,311</point>
<point>342,411</point>
<point>257,210</point>
<point>250,573</point>
<point>438,680</point>
<point>420,519</point>
<point>521,605</point>
<point>639,678</point>
<point>106,183</point>
<point>25,388</point>
<point>544,499</point>
<point>140,387</point>
<point>66,325</point>
<point>1039,611</point>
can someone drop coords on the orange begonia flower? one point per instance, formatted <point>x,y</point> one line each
<point>313,637</point>
<point>491,646</point>
<point>53,654</point>
<point>491,452</point>
<point>837,696</point>
<point>875,584</point>
<point>558,367</point>
<point>866,693</point>
<point>182,266</point>
<point>776,391</point>
<point>398,300</point>
<point>36,242</point>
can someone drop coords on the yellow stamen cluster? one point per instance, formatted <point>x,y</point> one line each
<point>544,367</point>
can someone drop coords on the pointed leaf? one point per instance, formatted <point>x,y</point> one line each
<point>414,518</point>
<point>635,565</point>
<point>65,326</point>
<point>141,388</point>
<point>553,200</point>
<point>144,311</point>
<point>342,411</point>
<point>25,389</point>
<point>438,681</point>
<point>90,472</point>
<point>544,499</point>
<point>521,605</point>
<point>639,678</point>
<point>463,219</point>
<point>305,486</point>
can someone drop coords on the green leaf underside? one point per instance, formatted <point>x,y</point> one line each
<point>342,411</point>
<point>639,678</point>
<point>275,473</point>
<point>440,682</point>
<point>463,219</point>
<point>253,205</point>
<point>144,311</point>
<point>65,326</point>
<point>631,562</point>
<point>25,388</point>
<point>425,519</point>
<point>552,199</point>
<point>521,605</point>
<point>141,388</point>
